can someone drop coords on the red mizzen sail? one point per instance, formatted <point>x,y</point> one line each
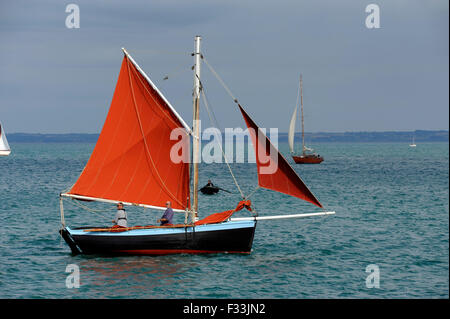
<point>274,172</point>
<point>131,160</point>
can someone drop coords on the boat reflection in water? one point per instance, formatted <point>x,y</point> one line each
<point>134,275</point>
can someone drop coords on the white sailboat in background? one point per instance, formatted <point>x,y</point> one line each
<point>5,150</point>
<point>307,155</point>
<point>413,144</point>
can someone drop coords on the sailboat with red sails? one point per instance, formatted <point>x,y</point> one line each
<point>131,164</point>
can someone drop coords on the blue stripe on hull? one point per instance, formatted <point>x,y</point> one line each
<point>166,231</point>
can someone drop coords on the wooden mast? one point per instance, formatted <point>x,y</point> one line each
<point>301,103</point>
<point>196,127</point>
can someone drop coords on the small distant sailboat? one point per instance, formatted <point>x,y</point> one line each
<point>307,156</point>
<point>5,150</point>
<point>413,144</point>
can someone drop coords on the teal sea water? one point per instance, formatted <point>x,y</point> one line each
<point>392,210</point>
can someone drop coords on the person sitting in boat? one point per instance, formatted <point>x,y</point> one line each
<point>121,216</point>
<point>167,217</point>
<point>210,184</point>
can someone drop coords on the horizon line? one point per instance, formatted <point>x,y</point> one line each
<point>311,132</point>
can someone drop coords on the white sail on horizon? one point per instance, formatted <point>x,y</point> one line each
<point>292,130</point>
<point>4,146</point>
<point>291,134</point>
<point>413,142</point>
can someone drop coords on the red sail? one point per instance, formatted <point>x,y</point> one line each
<point>274,172</point>
<point>131,161</point>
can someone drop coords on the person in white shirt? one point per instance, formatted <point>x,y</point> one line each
<point>121,216</point>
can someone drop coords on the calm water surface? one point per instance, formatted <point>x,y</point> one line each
<point>392,210</point>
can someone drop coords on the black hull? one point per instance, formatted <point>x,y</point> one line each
<point>238,240</point>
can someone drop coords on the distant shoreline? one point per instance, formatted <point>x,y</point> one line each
<point>365,137</point>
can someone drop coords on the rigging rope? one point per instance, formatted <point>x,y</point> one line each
<point>220,144</point>
<point>176,72</point>
<point>235,101</point>
<point>219,79</point>
<point>296,107</point>
<point>162,52</point>
<point>76,203</point>
<point>254,191</point>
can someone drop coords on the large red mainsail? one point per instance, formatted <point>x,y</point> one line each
<point>274,172</point>
<point>131,160</point>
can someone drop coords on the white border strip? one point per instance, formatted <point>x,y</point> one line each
<point>188,129</point>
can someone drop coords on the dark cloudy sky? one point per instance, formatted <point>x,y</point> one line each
<point>59,80</point>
